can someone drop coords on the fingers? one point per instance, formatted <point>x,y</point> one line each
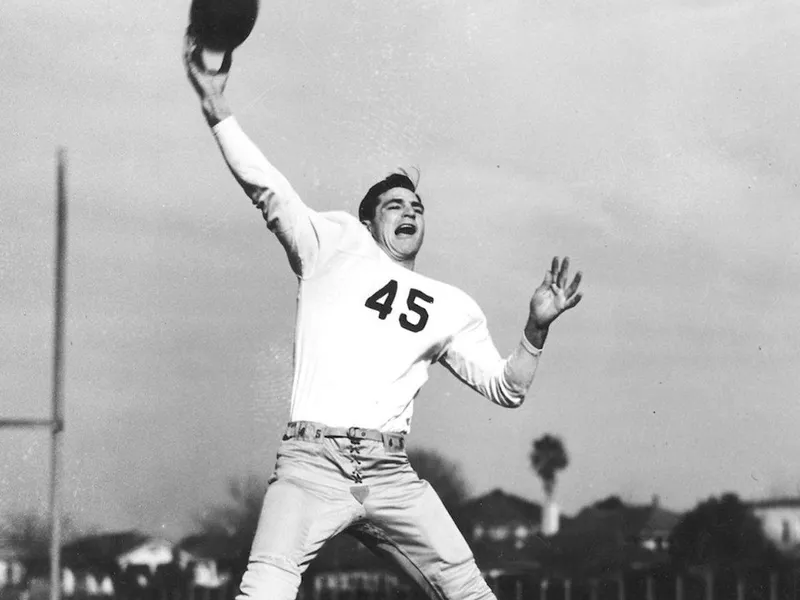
<point>189,44</point>
<point>189,38</point>
<point>573,287</point>
<point>572,301</point>
<point>550,276</point>
<point>572,296</point>
<point>563,273</point>
<point>197,59</point>
<point>193,56</point>
<point>556,280</point>
<point>226,62</point>
<point>188,48</point>
<point>557,275</point>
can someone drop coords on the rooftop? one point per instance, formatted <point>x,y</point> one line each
<point>102,547</point>
<point>500,506</point>
<point>783,502</point>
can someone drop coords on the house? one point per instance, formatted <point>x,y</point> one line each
<point>611,534</point>
<point>780,520</point>
<point>646,526</point>
<point>97,564</point>
<point>344,567</point>
<point>213,562</point>
<point>500,517</point>
<point>504,532</point>
<point>12,566</point>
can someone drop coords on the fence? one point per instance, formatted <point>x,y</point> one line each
<point>663,584</point>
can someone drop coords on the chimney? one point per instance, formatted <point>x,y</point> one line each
<point>550,518</point>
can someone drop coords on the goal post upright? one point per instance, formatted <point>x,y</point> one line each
<point>57,426</point>
<point>56,421</point>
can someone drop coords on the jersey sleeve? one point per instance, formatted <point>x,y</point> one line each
<point>306,235</point>
<point>473,358</point>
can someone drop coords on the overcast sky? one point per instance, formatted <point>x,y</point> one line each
<point>657,144</point>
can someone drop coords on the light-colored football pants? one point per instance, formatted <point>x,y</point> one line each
<point>322,486</point>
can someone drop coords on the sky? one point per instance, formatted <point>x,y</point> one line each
<point>656,144</point>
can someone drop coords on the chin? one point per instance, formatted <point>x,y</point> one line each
<point>410,250</point>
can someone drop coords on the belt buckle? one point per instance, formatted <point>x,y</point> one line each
<point>356,433</point>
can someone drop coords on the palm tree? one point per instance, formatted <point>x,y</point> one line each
<point>548,457</point>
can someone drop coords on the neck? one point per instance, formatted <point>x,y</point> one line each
<point>408,263</point>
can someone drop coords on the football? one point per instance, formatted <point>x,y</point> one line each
<point>222,25</point>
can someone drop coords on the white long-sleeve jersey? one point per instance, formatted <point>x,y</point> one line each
<point>367,329</point>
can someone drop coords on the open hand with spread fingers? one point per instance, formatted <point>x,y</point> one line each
<point>550,299</point>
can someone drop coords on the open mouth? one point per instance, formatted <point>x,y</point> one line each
<point>406,229</point>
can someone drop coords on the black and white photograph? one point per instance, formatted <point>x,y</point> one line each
<point>367,300</point>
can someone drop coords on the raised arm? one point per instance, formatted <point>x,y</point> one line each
<point>473,357</point>
<point>296,226</point>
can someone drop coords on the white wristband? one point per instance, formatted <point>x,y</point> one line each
<point>530,347</point>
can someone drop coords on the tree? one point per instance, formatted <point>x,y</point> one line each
<point>548,457</point>
<point>232,525</point>
<point>443,474</point>
<point>720,533</point>
<point>29,532</point>
<point>236,520</point>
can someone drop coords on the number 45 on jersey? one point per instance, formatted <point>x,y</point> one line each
<point>382,302</point>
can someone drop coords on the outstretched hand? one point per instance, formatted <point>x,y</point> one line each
<point>207,83</point>
<point>553,296</point>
